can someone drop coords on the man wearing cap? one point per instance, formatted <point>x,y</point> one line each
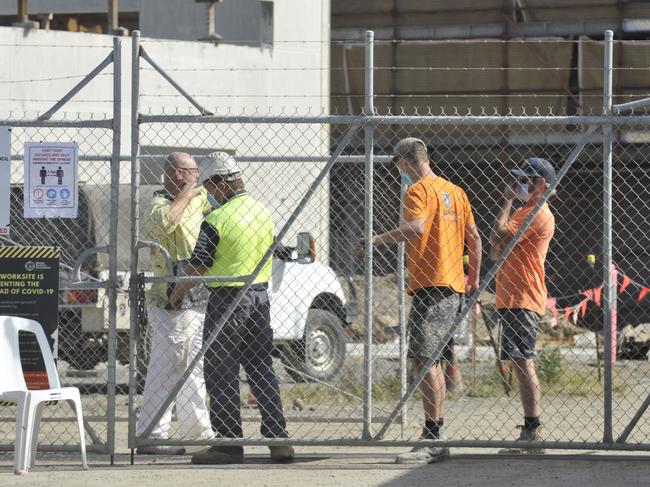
<point>520,286</point>
<point>438,223</point>
<point>174,220</point>
<point>233,240</point>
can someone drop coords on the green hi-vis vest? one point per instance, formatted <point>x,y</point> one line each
<point>245,234</point>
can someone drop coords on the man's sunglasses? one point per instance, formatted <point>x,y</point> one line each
<point>527,179</point>
<point>194,170</point>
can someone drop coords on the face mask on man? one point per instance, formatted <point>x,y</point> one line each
<point>213,201</point>
<point>406,179</point>
<point>521,191</point>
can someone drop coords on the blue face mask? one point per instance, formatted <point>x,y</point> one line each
<point>213,201</point>
<point>406,180</point>
<point>521,191</point>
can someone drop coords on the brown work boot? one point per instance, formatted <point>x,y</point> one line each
<point>526,435</point>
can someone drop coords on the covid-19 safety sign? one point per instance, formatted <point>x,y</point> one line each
<point>51,180</point>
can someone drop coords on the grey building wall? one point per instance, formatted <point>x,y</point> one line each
<point>236,20</point>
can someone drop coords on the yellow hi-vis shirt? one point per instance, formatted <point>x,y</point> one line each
<point>246,233</point>
<point>178,238</point>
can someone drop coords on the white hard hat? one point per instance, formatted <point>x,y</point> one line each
<point>219,164</point>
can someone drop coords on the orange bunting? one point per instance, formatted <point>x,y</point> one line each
<point>583,307</point>
<point>598,295</point>
<point>625,282</point>
<point>551,305</point>
<point>642,294</point>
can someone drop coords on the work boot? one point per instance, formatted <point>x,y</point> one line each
<point>282,453</point>
<point>160,450</point>
<point>425,454</point>
<point>526,435</point>
<point>219,455</point>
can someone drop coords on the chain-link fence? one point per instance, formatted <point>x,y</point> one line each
<point>300,329</point>
<point>88,280</point>
<point>343,324</point>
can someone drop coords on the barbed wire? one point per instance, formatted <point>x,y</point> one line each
<point>396,68</point>
<point>357,41</point>
<point>387,95</point>
<point>57,46</point>
<point>59,78</point>
<point>360,41</point>
<point>54,100</point>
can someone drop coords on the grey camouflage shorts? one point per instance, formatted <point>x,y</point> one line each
<point>432,315</point>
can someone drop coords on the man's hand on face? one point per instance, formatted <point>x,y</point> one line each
<point>190,190</point>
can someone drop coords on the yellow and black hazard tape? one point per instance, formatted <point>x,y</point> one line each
<point>30,252</point>
<point>13,403</point>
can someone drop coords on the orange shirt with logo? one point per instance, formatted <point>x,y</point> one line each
<point>520,280</point>
<point>436,258</point>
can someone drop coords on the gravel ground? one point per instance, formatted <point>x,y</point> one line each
<point>343,466</point>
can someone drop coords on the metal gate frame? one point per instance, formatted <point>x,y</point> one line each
<point>369,122</point>
<point>114,125</point>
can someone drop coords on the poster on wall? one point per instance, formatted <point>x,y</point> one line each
<point>29,288</point>
<point>51,180</point>
<point>5,179</point>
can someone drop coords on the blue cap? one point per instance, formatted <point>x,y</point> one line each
<point>536,166</point>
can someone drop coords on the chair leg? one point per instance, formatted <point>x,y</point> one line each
<point>26,440</point>
<point>20,448</point>
<point>82,433</point>
<point>35,428</point>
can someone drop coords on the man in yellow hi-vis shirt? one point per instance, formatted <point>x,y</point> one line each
<point>174,220</point>
<point>233,240</point>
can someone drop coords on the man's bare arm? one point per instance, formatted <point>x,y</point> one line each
<point>474,250</point>
<point>406,231</point>
<point>181,288</point>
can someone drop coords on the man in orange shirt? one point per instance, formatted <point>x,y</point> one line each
<point>438,221</point>
<point>520,287</point>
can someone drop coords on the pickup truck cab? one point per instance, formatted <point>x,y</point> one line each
<point>309,310</point>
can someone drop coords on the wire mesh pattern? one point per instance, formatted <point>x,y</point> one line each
<point>319,366</point>
<point>310,340</point>
<point>82,340</point>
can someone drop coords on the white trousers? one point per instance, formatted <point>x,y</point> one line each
<point>177,337</point>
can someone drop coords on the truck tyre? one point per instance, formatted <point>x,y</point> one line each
<point>321,353</point>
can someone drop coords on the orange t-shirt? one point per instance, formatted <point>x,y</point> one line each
<point>520,280</point>
<point>436,258</point>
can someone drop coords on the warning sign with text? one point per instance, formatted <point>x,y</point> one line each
<point>51,180</point>
<point>29,288</point>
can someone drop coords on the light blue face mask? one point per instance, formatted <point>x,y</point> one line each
<point>521,191</point>
<point>213,201</point>
<point>406,180</point>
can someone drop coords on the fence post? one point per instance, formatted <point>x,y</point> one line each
<point>368,233</point>
<point>112,253</point>
<point>401,306</point>
<point>135,195</point>
<point>609,303</point>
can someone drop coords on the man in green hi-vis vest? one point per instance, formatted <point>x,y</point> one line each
<point>233,240</point>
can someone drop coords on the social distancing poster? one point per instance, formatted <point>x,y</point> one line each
<point>51,180</point>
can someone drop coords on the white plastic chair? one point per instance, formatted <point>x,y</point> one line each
<point>30,402</point>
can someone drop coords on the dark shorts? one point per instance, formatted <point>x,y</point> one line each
<point>518,333</point>
<point>432,316</point>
